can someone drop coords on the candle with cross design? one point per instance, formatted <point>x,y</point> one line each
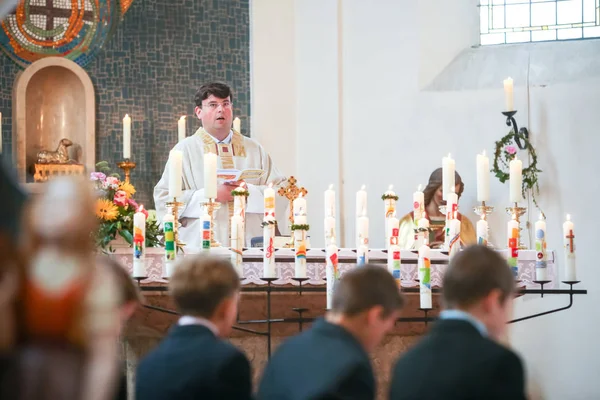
<point>569,244</point>
<point>541,264</point>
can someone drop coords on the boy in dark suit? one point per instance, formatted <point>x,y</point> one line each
<point>192,362</point>
<point>461,357</point>
<point>331,361</point>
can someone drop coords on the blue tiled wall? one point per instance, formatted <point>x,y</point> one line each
<point>150,69</point>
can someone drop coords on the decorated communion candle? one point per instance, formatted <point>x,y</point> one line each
<point>516,180</point>
<point>139,243</point>
<point>452,205</point>
<point>448,168</point>
<point>181,128</point>
<point>361,202</point>
<point>239,201</point>
<point>269,248</point>
<point>454,244</point>
<point>127,137</point>
<point>210,176</point>
<point>205,226</point>
<point>390,201</point>
<point>394,262</point>
<point>483,177</point>
<point>362,231</point>
<point>170,250</point>
<point>482,231</point>
<point>329,223</point>
<point>269,203</point>
<point>362,255</point>
<point>237,244</point>
<point>513,245</point>
<point>300,252</point>
<point>422,236</point>
<point>175,173</point>
<point>330,202</point>
<point>331,270</point>
<point>569,246</point>
<point>392,227</point>
<point>418,203</point>
<point>424,265</point>
<point>299,207</point>
<point>541,264</point>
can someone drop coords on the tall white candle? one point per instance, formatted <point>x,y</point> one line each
<point>541,263</point>
<point>361,202</point>
<point>239,202</point>
<point>237,125</point>
<point>569,246</point>
<point>331,270</point>
<point>269,202</point>
<point>175,173</point>
<point>362,231</point>
<point>181,128</point>
<point>483,177</point>
<point>390,203</point>
<point>394,263</point>
<point>330,202</point>
<point>448,168</point>
<point>210,176</point>
<point>237,244</point>
<point>418,204</point>
<point>516,180</point>
<point>139,243</point>
<point>127,137</point>
<point>454,245</point>
<point>269,248</point>
<point>482,232</point>
<point>508,94</point>
<point>299,206</point>
<point>424,265</point>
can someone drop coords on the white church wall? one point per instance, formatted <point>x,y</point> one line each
<point>395,132</point>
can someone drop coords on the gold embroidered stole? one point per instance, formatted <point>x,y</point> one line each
<point>225,152</point>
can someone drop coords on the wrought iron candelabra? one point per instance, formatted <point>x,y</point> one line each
<point>522,133</point>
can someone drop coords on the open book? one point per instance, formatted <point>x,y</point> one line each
<point>232,175</point>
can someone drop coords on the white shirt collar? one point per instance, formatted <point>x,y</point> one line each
<point>227,140</point>
<point>189,320</point>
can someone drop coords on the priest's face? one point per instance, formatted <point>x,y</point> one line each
<point>216,115</point>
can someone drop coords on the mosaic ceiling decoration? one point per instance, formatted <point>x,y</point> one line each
<point>74,29</point>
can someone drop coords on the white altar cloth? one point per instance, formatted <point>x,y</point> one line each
<point>284,257</point>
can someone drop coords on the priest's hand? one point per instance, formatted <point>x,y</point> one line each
<point>224,193</point>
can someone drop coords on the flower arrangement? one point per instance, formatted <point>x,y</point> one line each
<point>505,152</point>
<point>115,208</point>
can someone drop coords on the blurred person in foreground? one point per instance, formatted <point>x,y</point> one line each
<point>67,321</point>
<point>461,357</point>
<point>331,360</point>
<point>193,362</point>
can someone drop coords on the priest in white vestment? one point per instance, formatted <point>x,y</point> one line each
<point>233,150</point>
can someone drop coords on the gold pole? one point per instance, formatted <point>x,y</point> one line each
<point>126,166</point>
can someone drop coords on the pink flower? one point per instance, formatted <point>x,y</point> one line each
<point>111,180</point>
<point>97,176</point>
<point>133,204</point>
<point>510,149</point>
<point>120,198</point>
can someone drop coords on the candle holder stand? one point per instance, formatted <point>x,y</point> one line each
<point>212,206</point>
<point>127,166</point>
<point>174,207</point>
<point>483,211</point>
<point>518,212</point>
<point>522,133</point>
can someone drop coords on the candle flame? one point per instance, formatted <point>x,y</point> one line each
<point>243,184</point>
<point>363,187</point>
<point>126,115</point>
<point>331,186</point>
<point>568,217</point>
<point>449,155</point>
<point>425,215</point>
<point>182,118</point>
<point>140,208</point>
<point>300,196</point>
<point>390,187</point>
<point>270,185</point>
<point>514,216</point>
<point>483,154</point>
<point>542,216</point>
<point>419,189</point>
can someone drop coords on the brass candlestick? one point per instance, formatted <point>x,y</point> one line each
<point>212,206</point>
<point>291,193</point>
<point>518,212</point>
<point>483,210</point>
<point>126,166</point>
<point>174,206</point>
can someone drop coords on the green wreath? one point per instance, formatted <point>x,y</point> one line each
<point>300,227</point>
<point>389,197</point>
<point>505,152</point>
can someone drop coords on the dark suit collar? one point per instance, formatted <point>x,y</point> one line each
<point>323,327</point>
<point>444,326</point>
<point>190,331</point>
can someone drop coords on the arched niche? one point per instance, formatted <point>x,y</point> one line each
<point>53,99</point>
